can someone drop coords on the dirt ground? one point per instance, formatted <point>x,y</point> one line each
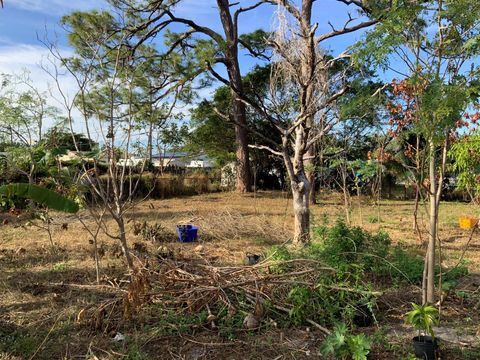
<point>42,294</point>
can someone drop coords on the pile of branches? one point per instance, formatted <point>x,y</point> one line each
<point>191,286</point>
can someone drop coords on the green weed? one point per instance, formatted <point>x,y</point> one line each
<point>61,266</point>
<point>341,344</point>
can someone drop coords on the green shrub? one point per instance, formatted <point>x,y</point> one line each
<point>341,246</point>
<point>334,298</point>
<point>303,304</point>
<point>406,266</point>
<point>278,254</point>
<point>352,250</point>
<point>321,305</point>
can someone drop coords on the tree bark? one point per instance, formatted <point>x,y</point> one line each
<point>123,242</point>
<point>243,176</point>
<point>300,187</point>
<point>239,117</point>
<point>310,164</point>
<point>150,144</point>
<point>301,212</point>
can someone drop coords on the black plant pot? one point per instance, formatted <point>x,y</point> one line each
<point>253,259</point>
<point>425,347</point>
<point>363,317</point>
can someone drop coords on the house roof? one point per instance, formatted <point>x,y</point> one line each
<point>179,155</point>
<point>170,155</point>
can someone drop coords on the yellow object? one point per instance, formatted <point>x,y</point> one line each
<point>467,222</point>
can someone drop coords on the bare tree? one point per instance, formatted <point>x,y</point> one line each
<point>302,91</point>
<point>109,100</point>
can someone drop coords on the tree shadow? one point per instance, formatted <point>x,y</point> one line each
<point>33,257</point>
<point>59,281</point>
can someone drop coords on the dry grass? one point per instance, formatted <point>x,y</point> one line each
<point>34,303</point>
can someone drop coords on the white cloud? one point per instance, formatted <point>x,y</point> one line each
<point>15,57</point>
<point>20,58</point>
<point>27,58</point>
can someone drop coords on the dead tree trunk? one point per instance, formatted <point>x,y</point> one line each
<point>310,165</point>
<point>301,211</point>
<point>300,186</point>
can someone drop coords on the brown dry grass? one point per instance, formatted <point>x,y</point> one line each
<point>39,313</point>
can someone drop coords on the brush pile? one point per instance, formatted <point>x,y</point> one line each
<point>193,285</point>
<point>190,286</point>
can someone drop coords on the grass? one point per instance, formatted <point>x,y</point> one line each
<point>34,303</point>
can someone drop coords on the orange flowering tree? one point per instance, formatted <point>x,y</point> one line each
<point>434,45</point>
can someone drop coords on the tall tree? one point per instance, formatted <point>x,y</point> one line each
<point>212,48</point>
<point>301,92</point>
<point>436,43</point>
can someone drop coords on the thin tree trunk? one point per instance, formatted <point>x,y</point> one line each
<point>433,221</point>
<point>123,242</point>
<point>97,259</point>
<point>417,188</point>
<point>346,202</point>
<point>424,279</point>
<point>150,144</point>
<point>415,207</point>
<point>359,198</point>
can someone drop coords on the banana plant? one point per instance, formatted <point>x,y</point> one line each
<point>41,195</point>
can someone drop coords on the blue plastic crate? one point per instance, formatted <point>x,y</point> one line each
<point>187,233</point>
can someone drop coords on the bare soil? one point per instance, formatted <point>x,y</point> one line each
<point>43,293</point>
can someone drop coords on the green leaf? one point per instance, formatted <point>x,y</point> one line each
<point>359,346</point>
<point>336,341</point>
<point>41,195</point>
<point>423,317</point>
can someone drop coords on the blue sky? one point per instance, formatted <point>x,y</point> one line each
<point>22,22</point>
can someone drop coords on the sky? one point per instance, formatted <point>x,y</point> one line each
<point>23,23</point>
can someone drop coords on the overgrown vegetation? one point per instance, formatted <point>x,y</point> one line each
<point>161,104</point>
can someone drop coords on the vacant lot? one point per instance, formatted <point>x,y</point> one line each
<point>46,296</point>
